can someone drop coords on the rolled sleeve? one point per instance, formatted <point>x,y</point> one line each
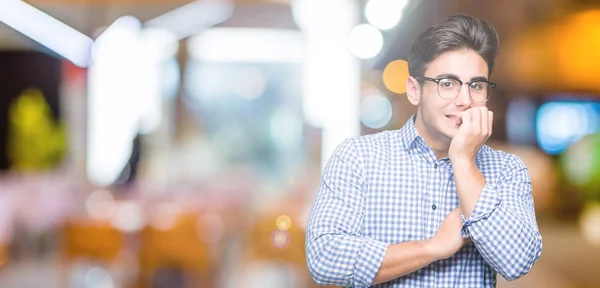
<point>487,203</point>
<point>369,261</point>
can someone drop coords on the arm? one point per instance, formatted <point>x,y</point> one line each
<point>469,184</point>
<point>500,218</point>
<point>404,258</point>
<point>338,253</point>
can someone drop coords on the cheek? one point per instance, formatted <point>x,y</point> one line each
<point>438,105</point>
<point>434,106</point>
<point>431,100</point>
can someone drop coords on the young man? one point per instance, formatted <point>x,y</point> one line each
<point>428,205</point>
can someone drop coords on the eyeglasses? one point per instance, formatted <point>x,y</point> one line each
<point>449,88</point>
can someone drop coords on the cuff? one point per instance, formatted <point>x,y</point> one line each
<point>369,260</point>
<point>486,204</point>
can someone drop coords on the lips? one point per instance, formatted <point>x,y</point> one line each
<point>451,117</point>
<point>454,118</point>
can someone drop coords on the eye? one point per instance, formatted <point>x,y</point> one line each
<point>447,83</point>
<point>477,86</point>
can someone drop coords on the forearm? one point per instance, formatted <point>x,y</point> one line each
<point>469,183</point>
<point>504,230</point>
<point>404,258</point>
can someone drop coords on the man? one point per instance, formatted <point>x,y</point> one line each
<point>428,205</point>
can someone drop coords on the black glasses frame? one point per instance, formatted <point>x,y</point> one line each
<point>438,80</point>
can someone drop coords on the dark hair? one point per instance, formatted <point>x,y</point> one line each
<point>456,32</point>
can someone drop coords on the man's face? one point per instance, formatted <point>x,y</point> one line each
<point>438,115</point>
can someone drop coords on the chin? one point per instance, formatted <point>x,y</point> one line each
<point>450,135</point>
<point>449,129</point>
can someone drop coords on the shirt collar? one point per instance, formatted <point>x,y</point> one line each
<point>409,133</point>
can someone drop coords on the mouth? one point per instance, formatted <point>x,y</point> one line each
<point>454,119</point>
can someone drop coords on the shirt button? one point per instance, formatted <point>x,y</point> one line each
<point>433,207</point>
<point>435,166</point>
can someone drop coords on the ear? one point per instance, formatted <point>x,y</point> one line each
<point>413,90</point>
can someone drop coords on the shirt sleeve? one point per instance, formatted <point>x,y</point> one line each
<point>337,253</point>
<point>503,224</point>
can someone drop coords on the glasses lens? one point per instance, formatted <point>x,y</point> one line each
<point>480,91</point>
<point>448,88</point>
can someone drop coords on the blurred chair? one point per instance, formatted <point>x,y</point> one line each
<point>276,239</point>
<point>96,241</point>
<point>267,242</point>
<point>174,253</point>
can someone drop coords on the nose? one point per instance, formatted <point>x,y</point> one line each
<point>464,98</point>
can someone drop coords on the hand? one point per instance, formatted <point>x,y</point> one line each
<point>448,240</point>
<point>475,128</point>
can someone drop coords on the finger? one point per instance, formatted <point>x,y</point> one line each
<point>476,121</point>
<point>459,118</point>
<point>484,121</point>
<point>490,122</point>
<point>466,119</point>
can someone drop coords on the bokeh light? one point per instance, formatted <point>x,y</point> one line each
<point>395,75</point>
<point>128,218</point>
<point>97,277</point>
<point>280,239</point>
<point>100,204</point>
<point>375,111</point>
<point>283,222</point>
<point>365,41</point>
<point>384,14</point>
<point>559,124</point>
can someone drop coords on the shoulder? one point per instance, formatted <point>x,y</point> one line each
<point>369,147</point>
<point>502,162</point>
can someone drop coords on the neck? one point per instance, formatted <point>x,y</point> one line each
<point>438,143</point>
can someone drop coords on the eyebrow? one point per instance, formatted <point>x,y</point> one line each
<point>452,76</point>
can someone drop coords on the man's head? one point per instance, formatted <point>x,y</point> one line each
<point>460,48</point>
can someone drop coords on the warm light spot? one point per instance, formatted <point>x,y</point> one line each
<point>395,75</point>
<point>283,222</point>
<point>280,239</point>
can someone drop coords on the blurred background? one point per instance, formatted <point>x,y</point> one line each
<point>178,143</point>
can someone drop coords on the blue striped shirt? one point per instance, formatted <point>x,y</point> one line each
<point>389,187</point>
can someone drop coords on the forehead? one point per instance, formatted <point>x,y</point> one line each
<point>464,63</point>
